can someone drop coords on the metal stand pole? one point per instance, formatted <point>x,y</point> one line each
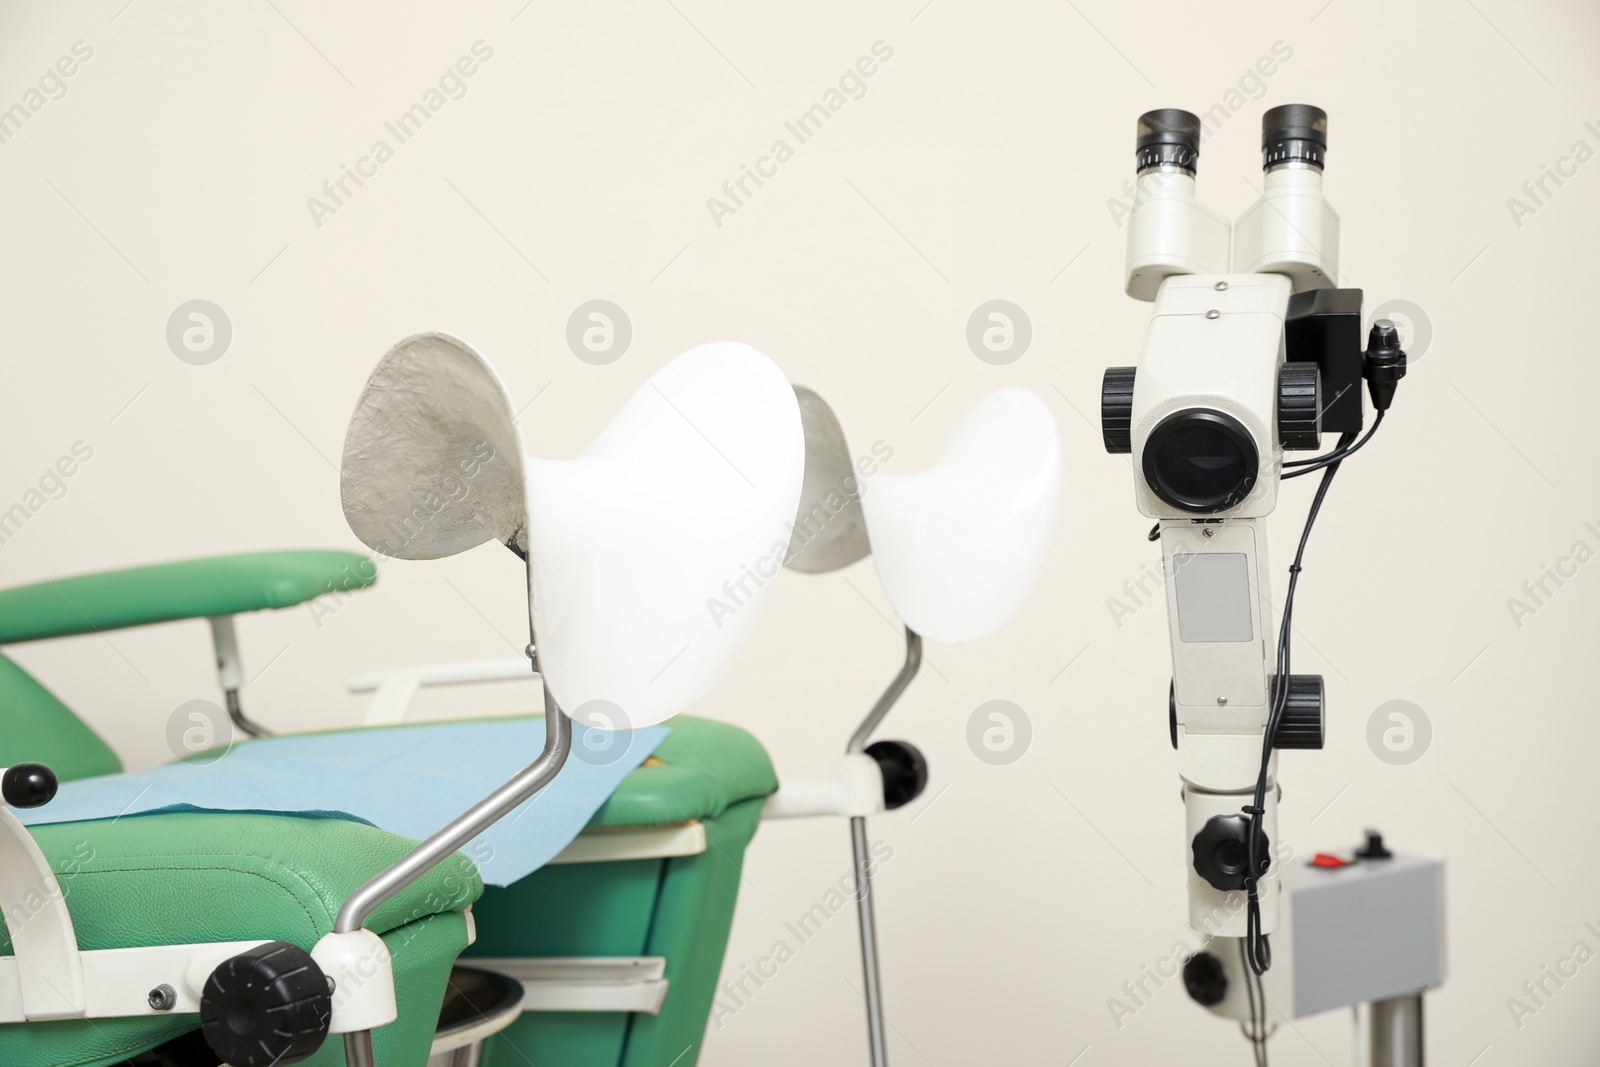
<point>869,942</point>
<point>858,848</point>
<point>1394,1032</point>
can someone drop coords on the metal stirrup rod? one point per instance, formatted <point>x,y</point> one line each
<point>478,818</point>
<point>858,849</point>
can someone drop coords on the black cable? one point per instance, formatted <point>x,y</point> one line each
<point>1257,947</point>
<point>1255,1033</point>
<point>1316,463</point>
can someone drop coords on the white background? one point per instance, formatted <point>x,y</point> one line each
<point>979,164</point>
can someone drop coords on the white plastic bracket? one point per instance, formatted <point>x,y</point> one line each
<point>363,980</point>
<point>393,691</point>
<point>49,968</point>
<point>853,787</point>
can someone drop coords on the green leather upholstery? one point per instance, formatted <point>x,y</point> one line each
<point>197,876</point>
<point>680,908</point>
<point>185,589</point>
<point>700,770</point>
<point>36,727</point>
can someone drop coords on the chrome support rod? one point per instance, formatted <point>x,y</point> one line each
<point>476,819</point>
<point>1395,1032</point>
<point>863,863</point>
<point>908,671</point>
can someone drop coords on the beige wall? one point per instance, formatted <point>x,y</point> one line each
<point>979,164</point>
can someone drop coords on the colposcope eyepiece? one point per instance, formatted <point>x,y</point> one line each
<point>1294,133</point>
<point>1168,137</point>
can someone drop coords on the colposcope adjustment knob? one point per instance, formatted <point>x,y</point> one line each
<point>266,1007</point>
<point>1205,979</point>
<point>28,785</point>
<point>1301,723</point>
<point>1222,852</point>
<point>905,771</point>
<point>1116,409</point>
<point>1300,406</point>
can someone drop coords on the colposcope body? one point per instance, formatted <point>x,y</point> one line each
<point>1206,416</point>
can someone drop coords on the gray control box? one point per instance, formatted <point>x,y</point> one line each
<point>1367,931</point>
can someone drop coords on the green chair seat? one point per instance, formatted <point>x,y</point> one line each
<point>679,908</point>
<point>700,770</point>
<point>197,876</point>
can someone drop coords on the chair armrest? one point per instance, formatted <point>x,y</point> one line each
<point>185,589</point>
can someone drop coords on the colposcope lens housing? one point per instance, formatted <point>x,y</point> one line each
<point>1200,460</point>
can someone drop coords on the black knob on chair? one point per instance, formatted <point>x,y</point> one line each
<point>905,772</point>
<point>28,785</point>
<point>266,1007</point>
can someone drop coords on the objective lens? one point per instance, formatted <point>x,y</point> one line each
<point>1168,137</point>
<point>1200,460</point>
<point>1294,133</point>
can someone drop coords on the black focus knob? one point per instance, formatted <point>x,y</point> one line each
<point>1299,406</point>
<point>266,1007</point>
<point>1116,409</point>
<point>1385,363</point>
<point>905,772</point>
<point>1222,852</point>
<point>1301,723</point>
<point>1205,979</point>
<point>28,785</point>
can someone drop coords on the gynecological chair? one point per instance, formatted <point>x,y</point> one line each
<point>277,930</point>
<point>958,547</point>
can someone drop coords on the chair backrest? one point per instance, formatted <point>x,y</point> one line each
<point>36,727</point>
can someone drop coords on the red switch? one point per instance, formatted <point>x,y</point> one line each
<point>1324,859</point>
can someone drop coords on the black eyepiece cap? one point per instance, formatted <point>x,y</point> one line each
<point>1294,133</point>
<point>1168,137</point>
